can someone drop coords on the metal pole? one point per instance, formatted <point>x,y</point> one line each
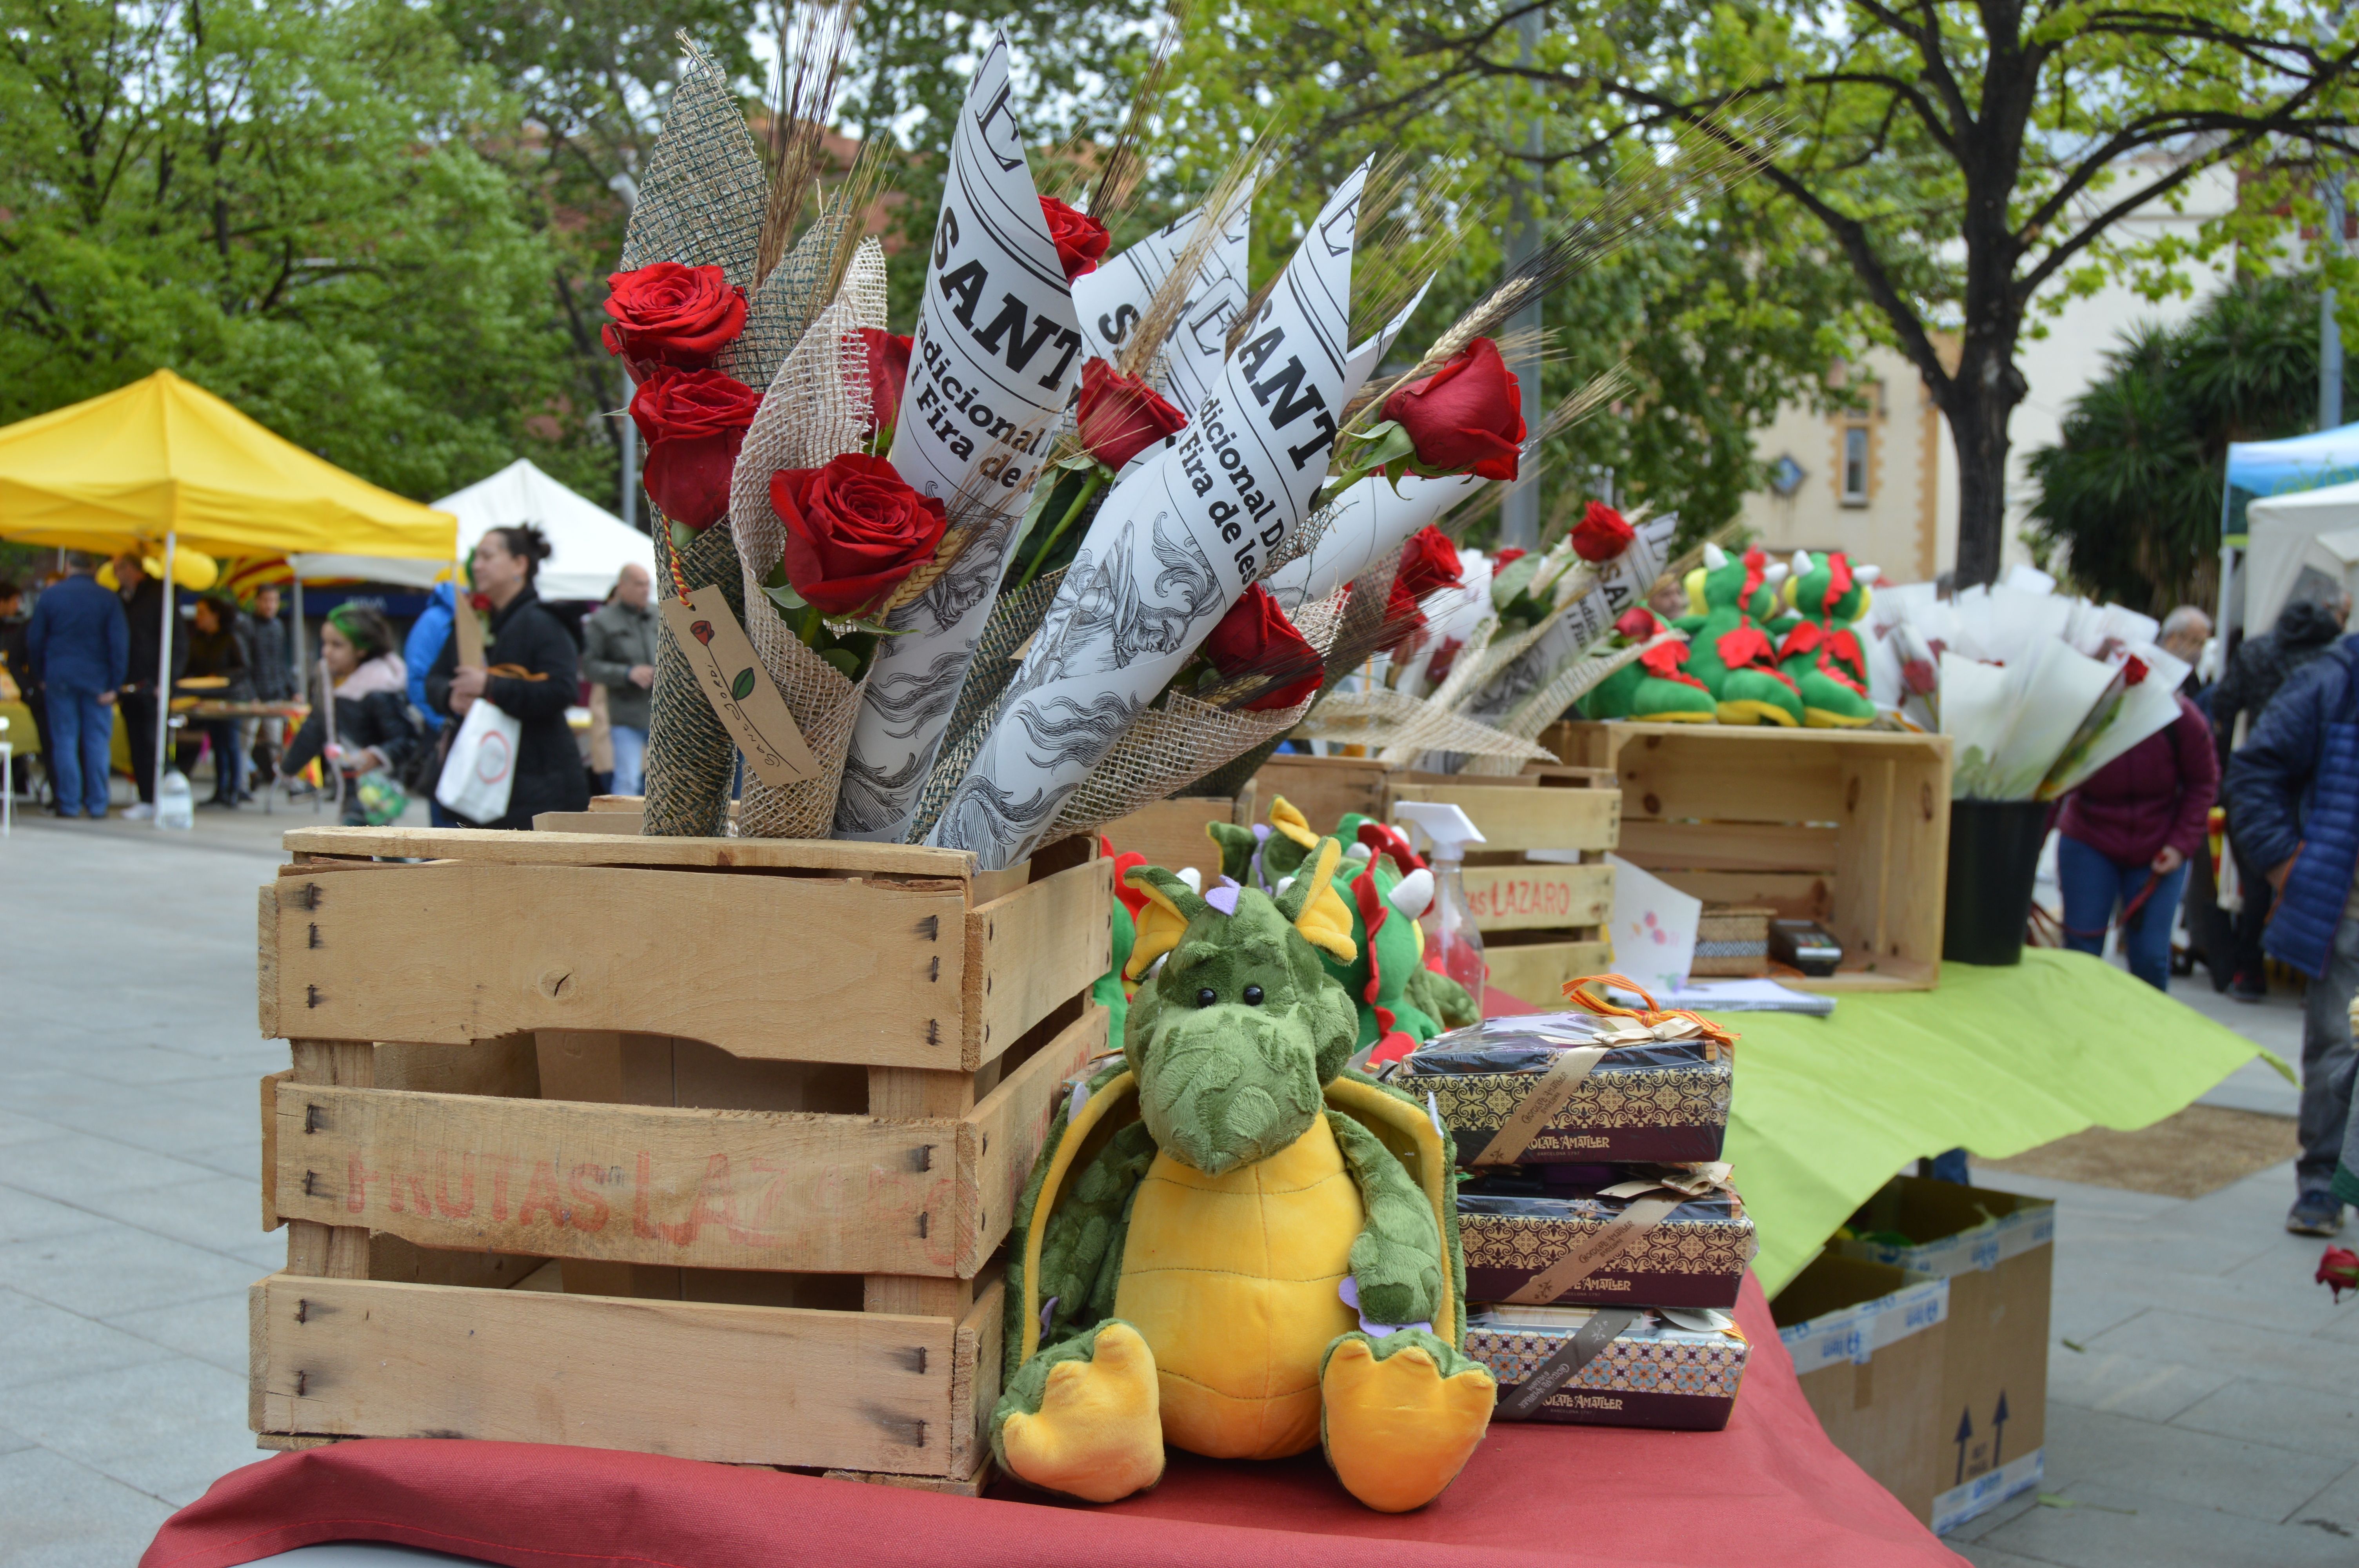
<point>1519,515</point>
<point>298,631</point>
<point>164,680</point>
<point>2330,332</point>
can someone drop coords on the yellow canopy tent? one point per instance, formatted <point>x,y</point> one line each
<point>164,462</point>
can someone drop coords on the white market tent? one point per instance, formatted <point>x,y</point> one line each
<point>2295,533</point>
<point>589,545</point>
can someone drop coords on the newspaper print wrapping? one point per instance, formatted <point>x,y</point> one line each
<point>1173,746</point>
<point>1111,301</point>
<point>995,357</point>
<point>1366,523</point>
<point>1623,581</point>
<point>1170,550</point>
<point>817,408</point>
<point>701,205</point>
<point>998,653</point>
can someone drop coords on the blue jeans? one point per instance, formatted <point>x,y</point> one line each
<point>2094,886</point>
<point>630,760</point>
<point>82,729</point>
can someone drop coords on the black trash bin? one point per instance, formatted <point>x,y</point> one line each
<point>1994,861</point>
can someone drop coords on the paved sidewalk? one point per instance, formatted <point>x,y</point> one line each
<point>2209,1419</point>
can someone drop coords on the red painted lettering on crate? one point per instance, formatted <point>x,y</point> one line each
<point>465,1204</point>
<point>589,1211</point>
<point>540,1195</point>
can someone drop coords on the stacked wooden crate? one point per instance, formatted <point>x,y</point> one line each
<point>1537,885</point>
<point>699,1147</point>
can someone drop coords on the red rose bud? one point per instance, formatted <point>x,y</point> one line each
<point>1403,618</point>
<point>888,372</point>
<point>1637,624</point>
<point>1505,558</point>
<point>693,422</point>
<point>1429,564</point>
<point>1256,638</point>
<point>1120,415</point>
<point>2338,1271</point>
<point>854,529</point>
<point>1467,416</point>
<point>1601,535</point>
<point>674,315</point>
<point>1081,239</point>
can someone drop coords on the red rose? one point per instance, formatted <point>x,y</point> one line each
<point>1467,416</point>
<point>1403,618</point>
<point>674,315</point>
<point>854,529</point>
<point>693,421</point>
<point>888,372</point>
<point>1081,239</point>
<point>1637,624</point>
<point>2338,1271</point>
<point>1508,557</point>
<point>1256,638</point>
<point>1428,562</point>
<point>1121,416</point>
<point>1601,535</point>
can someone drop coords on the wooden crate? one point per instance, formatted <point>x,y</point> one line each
<point>768,1105</point>
<point>1539,887</point>
<point>1324,788</point>
<point>1849,828</point>
<point>1171,833</point>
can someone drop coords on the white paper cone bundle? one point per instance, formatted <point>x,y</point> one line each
<point>1170,551</point>
<point>995,356</point>
<point>1368,522</point>
<point>816,409</point>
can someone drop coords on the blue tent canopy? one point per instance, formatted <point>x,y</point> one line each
<point>2257,468</point>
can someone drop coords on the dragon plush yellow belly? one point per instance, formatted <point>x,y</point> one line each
<point>1232,1280</point>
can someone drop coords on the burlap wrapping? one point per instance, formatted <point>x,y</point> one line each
<point>1567,686</point>
<point>1168,747</point>
<point>1389,721</point>
<point>816,409</point>
<point>700,205</point>
<point>998,654</point>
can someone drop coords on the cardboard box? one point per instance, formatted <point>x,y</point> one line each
<point>1655,1373</point>
<point>1996,1250</point>
<point>1870,1346</point>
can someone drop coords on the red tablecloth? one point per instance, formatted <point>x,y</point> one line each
<point>1769,1492</point>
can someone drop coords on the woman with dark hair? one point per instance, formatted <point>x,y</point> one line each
<point>370,688</point>
<point>533,678</point>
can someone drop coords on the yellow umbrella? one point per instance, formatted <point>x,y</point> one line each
<point>162,462</point>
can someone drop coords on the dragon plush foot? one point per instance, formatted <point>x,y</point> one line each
<point>1081,1418</point>
<point>1401,1415</point>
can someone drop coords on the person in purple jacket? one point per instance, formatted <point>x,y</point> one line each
<point>2125,837</point>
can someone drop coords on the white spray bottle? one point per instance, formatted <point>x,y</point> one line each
<point>1453,944</point>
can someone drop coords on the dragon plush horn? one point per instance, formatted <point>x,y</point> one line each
<point>1317,910</point>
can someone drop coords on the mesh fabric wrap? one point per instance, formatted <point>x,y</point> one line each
<point>816,409</point>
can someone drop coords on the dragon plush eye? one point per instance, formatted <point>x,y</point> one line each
<point>1252,996</point>
<point>1207,997</point>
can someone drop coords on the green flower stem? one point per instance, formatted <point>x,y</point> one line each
<point>811,627</point>
<point>1090,487</point>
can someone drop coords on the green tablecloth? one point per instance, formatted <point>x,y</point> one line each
<point>1996,1060</point>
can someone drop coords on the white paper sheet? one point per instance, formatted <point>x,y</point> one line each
<point>1653,929</point>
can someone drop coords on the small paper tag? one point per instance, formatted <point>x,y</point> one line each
<point>740,689</point>
<point>467,628</point>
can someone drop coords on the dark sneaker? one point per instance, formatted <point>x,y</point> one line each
<point>2315,1213</point>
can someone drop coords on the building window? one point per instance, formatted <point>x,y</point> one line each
<point>1855,465</point>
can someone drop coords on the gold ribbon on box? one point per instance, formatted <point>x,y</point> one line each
<point>1650,1201</point>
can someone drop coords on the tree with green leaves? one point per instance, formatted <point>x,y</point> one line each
<point>2129,495</point>
<point>1967,162</point>
<point>280,201</point>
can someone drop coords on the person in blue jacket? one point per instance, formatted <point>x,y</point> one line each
<point>426,635</point>
<point>2293,806</point>
<point>79,642</point>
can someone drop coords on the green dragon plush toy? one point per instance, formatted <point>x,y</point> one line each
<point>1655,688</point>
<point>1728,649</point>
<point>1230,1243</point>
<point>1822,655</point>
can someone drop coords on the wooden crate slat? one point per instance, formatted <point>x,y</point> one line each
<point>706,1189</point>
<point>1324,788</point>
<point>1171,833</point>
<point>1538,896</point>
<point>1527,818</point>
<point>1022,959</point>
<point>1012,1122</point>
<point>1535,973</point>
<point>696,1379</point>
<point>1729,846</point>
<point>807,969</point>
<point>518,848</point>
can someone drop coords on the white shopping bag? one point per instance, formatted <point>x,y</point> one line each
<point>480,768</point>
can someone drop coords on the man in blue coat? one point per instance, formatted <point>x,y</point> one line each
<point>80,646</point>
<point>2293,805</point>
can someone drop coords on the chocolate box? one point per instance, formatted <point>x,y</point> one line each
<point>1517,1225</point>
<point>1655,1373</point>
<point>1662,1101</point>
